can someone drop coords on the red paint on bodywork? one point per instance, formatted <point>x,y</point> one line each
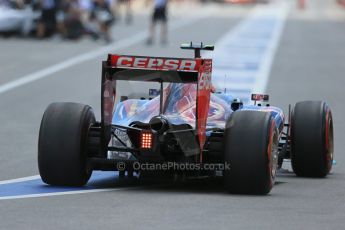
<point>203,101</point>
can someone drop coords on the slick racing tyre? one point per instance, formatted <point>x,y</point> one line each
<point>311,139</point>
<point>62,144</point>
<point>251,148</point>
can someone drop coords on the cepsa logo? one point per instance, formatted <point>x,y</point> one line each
<point>156,63</point>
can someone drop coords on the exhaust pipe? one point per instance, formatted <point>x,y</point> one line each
<point>159,124</point>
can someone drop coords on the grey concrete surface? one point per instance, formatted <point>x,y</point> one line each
<point>308,65</point>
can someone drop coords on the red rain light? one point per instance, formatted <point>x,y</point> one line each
<point>146,140</point>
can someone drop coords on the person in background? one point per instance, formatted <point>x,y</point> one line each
<point>85,7</point>
<point>102,15</point>
<point>47,23</point>
<point>128,10</point>
<point>69,19</point>
<point>91,26</point>
<point>159,15</point>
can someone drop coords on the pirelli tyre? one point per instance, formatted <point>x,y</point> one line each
<point>251,148</point>
<point>311,139</point>
<point>62,144</point>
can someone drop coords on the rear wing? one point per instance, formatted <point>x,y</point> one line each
<point>157,69</point>
<point>197,48</point>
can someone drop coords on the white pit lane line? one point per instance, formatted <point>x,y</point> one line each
<point>231,56</point>
<point>243,58</point>
<point>33,186</point>
<point>60,193</point>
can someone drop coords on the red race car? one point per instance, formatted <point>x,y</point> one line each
<point>183,129</point>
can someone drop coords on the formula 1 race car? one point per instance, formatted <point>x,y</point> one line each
<point>185,124</point>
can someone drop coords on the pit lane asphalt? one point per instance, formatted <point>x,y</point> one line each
<point>308,65</point>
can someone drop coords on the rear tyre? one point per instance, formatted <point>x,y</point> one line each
<point>311,139</point>
<point>62,144</point>
<point>251,149</point>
